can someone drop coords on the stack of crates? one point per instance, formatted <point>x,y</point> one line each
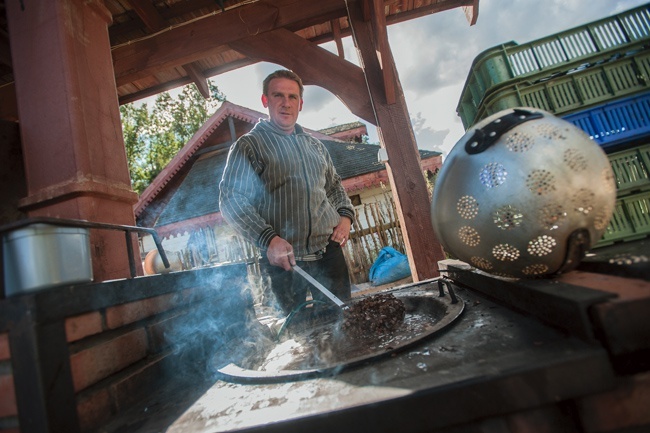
<point>631,219</point>
<point>571,70</point>
<point>596,76</point>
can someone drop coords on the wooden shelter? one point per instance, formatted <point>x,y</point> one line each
<point>66,65</point>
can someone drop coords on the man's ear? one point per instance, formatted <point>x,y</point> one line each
<point>301,101</point>
<point>265,102</point>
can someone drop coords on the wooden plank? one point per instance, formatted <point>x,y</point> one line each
<point>148,14</point>
<point>471,12</point>
<point>194,72</point>
<point>383,49</point>
<point>407,181</point>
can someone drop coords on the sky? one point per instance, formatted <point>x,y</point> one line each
<point>433,56</point>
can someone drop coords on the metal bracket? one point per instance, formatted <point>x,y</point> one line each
<point>490,133</point>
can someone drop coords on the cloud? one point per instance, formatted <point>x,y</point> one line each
<point>436,51</point>
<point>427,137</point>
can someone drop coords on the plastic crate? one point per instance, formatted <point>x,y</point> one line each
<point>638,209</point>
<point>630,221</point>
<point>580,90</point>
<point>619,227</point>
<point>631,169</point>
<point>614,122</point>
<point>556,54</point>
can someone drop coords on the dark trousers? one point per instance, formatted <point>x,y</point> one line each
<point>290,289</point>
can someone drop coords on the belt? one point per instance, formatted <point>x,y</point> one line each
<point>312,257</point>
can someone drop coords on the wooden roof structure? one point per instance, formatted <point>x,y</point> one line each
<point>158,45</point>
<point>55,59</point>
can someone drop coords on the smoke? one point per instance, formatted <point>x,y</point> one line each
<point>218,327</point>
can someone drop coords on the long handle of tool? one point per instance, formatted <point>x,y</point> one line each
<point>319,286</point>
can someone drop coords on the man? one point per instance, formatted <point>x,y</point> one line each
<point>280,191</point>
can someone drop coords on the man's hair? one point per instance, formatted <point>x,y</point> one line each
<point>282,73</point>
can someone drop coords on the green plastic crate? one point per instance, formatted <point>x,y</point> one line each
<point>631,169</point>
<point>580,90</point>
<point>554,55</point>
<point>638,209</point>
<point>630,221</point>
<point>619,227</point>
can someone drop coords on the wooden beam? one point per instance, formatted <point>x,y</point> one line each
<point>433,8</point>
<point>396,136</point>
<point>152,91</point>
<point>155,22</point>
<point>315,65</point>
<point>121,27</point>
<point>149,14</point>
<point>201,82</point>
<point>336,31</point>
<point>186,44</point>
<point>5,50</point>
<point>378,19</point>
<point>471,12</point>
<point>8,103</point>
<point>202,38</point>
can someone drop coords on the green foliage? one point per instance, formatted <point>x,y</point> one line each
<point>154,136</point>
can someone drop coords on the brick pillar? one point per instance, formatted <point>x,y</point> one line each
<point>74,156</point>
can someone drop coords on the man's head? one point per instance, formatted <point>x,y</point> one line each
<point>282,73</point>
<point>282,95</point>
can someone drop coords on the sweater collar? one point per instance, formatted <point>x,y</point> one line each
<point>269,126</point>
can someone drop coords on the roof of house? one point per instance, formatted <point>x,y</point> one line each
<point>188,187</point>
<point>340,128</point>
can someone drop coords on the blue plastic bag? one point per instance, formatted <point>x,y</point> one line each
<point>391,265</point>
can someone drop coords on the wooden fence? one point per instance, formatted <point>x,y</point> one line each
<point>375,227</point>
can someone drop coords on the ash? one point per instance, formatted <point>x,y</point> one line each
<point>373,326</point>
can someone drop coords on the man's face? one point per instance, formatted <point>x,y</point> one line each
<point>284,103</point>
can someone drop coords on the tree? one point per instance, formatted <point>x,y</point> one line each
<point>154,136</point>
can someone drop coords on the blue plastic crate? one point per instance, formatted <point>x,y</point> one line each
<point>614,122</point>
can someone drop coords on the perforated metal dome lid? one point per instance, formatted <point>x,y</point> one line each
<point>523,194</point>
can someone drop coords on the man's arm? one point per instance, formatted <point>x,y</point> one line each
<point>239,189</point>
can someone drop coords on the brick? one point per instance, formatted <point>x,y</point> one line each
<point>130,388</point>
<point>124,314</point>
<point>82,326</point>
<point>94,409</point>
<point>100,361</point>
<point>625,407</point>
<point>7,396</point>
<point>166,332</point>
<point>4,347</point>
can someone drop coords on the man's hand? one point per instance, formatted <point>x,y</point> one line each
<point>280,253</point>
<point>341,232</point>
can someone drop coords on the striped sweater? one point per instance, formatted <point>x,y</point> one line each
<point>285,185</point>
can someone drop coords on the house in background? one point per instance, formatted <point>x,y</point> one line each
<point>182,203</point>
<point>352,132</point>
